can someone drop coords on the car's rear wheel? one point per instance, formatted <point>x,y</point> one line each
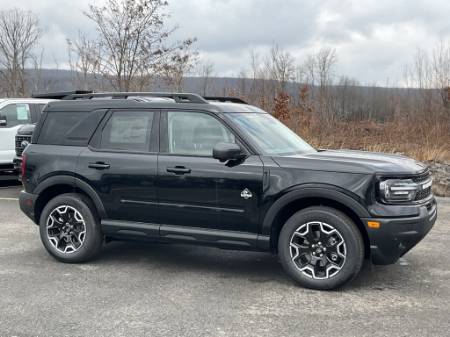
<point>321,248</point>
<point>70,229</point>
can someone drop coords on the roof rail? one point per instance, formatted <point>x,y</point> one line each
<point>61,95</point>
<point>177,97</point>
<point>225,99</point>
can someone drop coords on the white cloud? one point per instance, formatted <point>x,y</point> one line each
<point>373,38</point>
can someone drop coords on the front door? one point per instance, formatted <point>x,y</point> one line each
<point>121,165</point>
<point>196,190</point>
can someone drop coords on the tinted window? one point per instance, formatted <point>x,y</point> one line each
<point>269,134</point>
<point>195,133</point>
<point>128,130</point>
<point>15,114</point>
<point>69,128</point>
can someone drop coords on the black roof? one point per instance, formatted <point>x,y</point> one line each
<point>178,101</point>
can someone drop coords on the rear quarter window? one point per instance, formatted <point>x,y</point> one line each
<point>69,128</point>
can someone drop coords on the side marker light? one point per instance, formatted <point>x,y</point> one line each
<point>373,224</point>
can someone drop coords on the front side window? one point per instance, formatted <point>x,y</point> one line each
<point>15,114</point>
<point>271,136</point>
<point>195,133</point>
<point>128,131</point>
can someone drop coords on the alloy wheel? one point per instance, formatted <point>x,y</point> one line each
<point>66,229</point>
<point>318,250</point>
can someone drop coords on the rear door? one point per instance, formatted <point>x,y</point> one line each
<point>121,164</point>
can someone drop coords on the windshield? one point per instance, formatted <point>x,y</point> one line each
<point>270,135</point>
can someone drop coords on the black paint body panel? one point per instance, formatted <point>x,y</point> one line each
<point>137,197</point>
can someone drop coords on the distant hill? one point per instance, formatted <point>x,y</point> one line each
<point>51,80</point>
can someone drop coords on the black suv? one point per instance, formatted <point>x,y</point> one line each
<point>216,171</point>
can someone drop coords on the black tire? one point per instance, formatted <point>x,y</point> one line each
<point>351,236</point>
<point>93,238</point>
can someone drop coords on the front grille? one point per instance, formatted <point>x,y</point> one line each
<point>423,194</point>
<point>420,179</point>
<point>19,147</point>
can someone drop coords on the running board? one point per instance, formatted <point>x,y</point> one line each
<point>194,235</point>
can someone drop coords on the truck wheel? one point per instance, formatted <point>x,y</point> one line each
<point>321,248</point>
<point>70,229</point>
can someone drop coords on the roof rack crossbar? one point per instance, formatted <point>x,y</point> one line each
<point>225,99</point>
<point>62,94</point>
<point>177,97</point>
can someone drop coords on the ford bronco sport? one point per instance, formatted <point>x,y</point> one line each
<point>216,171</point>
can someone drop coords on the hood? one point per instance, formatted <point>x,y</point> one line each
<point>353,162</point>
<point>26,130</point>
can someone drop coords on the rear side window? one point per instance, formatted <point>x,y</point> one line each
<point>69,128</point>
<point>128,131</point>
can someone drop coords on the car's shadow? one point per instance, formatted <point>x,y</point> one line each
<point>176,258</point>
<point>251,266</point>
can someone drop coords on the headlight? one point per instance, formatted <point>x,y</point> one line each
<point>398,190</point>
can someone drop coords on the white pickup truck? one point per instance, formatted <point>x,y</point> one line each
<point>15,112</point>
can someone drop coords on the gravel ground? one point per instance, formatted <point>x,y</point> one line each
<point>176,290</point>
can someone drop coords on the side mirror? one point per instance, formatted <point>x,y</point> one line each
<point>3,121</point>
<point>227,151</point>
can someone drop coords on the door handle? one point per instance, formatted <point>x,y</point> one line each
<point>179,170</point>
<point>99,166</point>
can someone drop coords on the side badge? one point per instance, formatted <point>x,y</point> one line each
<point>246,194</point>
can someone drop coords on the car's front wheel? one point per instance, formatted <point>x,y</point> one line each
<point>321,248</point>
<point>70,229</point>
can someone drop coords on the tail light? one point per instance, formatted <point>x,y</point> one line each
<point>23,166</point>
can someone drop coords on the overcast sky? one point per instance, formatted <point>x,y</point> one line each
<point>373,39</point>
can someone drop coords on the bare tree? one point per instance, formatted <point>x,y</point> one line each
<point>326,59</point>
<point>259,76</point>
<point>206,71</point>
<point>19,33</point>
<point>441,71</point>
<point>282,67</point>
<point>181,62</point>
<point>320,71</point>
<point>84,61</point>
<point>310,70</point>
<point>133,40</point>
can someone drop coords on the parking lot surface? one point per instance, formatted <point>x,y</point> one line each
<point>137,289</point>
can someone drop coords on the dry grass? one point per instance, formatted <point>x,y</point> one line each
<point>420,131</point>
<point>422,139</point>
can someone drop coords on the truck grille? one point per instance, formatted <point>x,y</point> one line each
<point>422,178</point>
<point>19,147</point>
<point>423,194</point>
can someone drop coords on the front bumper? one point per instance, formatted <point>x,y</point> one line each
<point>27,202</point>
<point>397,235</point>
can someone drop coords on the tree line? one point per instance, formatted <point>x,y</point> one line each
<point>132,49</point>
